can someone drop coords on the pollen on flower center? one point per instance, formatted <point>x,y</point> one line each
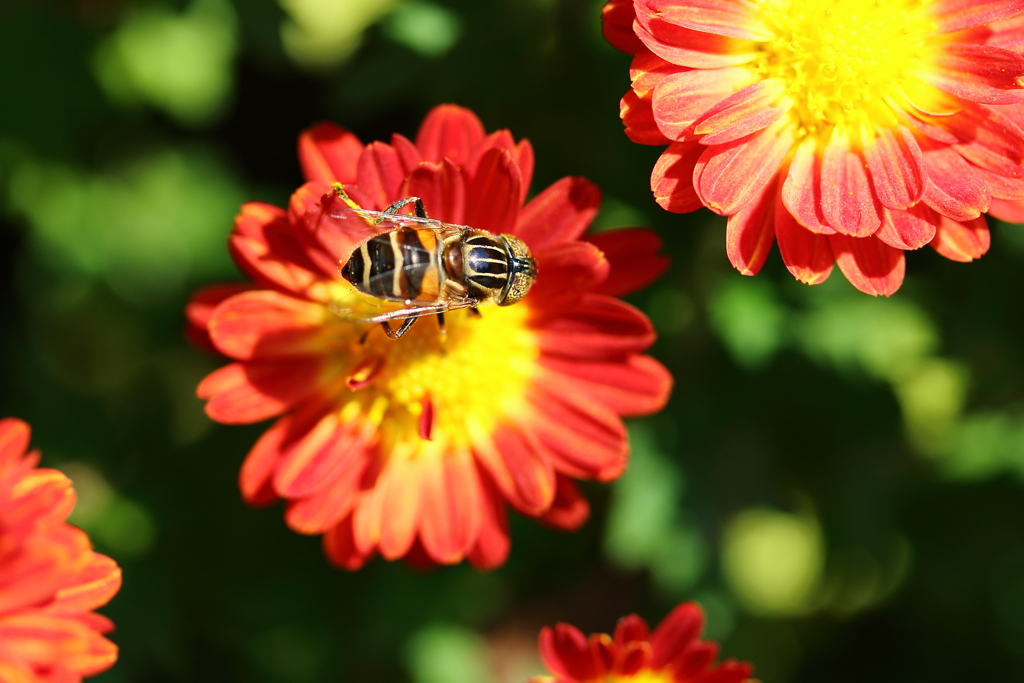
<point>479,370</point>
<point>644,676</point>
<point>842,58</point>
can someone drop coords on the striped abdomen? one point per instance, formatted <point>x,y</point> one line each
<point>397,265</point>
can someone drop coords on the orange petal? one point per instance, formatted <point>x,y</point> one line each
<point>329,153</point>
<point>871,265</point>
<point>847,199</point>
<point>14,440</point>
<point>801,191</point>
<point>895,162</point>
<point>493,193</point>
<point>492,543</point>
<point>403,504</point>
<point>734,18</point>
<point>807,254</point>
<point>729,177</point>
<point>910,229</point>
<point>672,177</point>
<point>200,309</point>
<point>339,546</point>
<point>518,466</point>
<point>753,108</point>
<point>570,509</point>
<point>979,73</point>
<point>750,233</point>
<point>687,47</point>
<point>636,385</point>
<point>1009,211</point>
<point>637,114</point>
<point>962,241</point>
<point>452,509</point>
<point>256,475</point>
<point>990,138</point>
<point>243,393</point>
<point>320,511</point>
<point>634,261</point>
<point>319,448</point>
<point>683,96</point>
<point>617,26</point>
<point>953,188</point>
<point>449,132</point>
<point>265,324</point>
<point>561,213</point>
<point>94,587</point>
<point>955,15</point>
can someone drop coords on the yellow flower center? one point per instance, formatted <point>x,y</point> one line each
<point>469,377</point>
<point>644,676</point>
<point>843,59</point>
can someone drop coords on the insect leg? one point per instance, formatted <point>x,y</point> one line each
<point>475,311</point>
<point>397,334</point>
<point>440,325</point>
<point>394,208</point>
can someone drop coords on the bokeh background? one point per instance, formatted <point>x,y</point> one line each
<point>838,479</point>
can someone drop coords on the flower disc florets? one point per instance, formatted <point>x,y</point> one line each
<point>848,131</point>
<point>412,447</point>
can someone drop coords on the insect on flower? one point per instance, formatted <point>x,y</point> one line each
<point>430,266</point>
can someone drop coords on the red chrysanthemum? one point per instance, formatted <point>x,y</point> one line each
<point>848,131</point>
<point>50,578</point>
<point>673,653</point>
<point>413,446</point>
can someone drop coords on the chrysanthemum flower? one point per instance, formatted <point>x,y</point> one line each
<point>413,447</point>
<point>50,578</point>
<point>847,130</point>
<point>673,653</point>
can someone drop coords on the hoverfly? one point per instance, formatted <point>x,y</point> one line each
<point>431,267</point>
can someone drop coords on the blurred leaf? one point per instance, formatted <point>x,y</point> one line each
<point>447,654</point>
<point>749,319</point>
<point>323,33</point>
<point>423,27</point>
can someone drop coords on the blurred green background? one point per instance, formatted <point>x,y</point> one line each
<point>837,479</point>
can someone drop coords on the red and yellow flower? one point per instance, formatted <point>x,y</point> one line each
<point>413,447</point>
<point>673,653</point>
<point>50,578</point>
<point>848,131</point>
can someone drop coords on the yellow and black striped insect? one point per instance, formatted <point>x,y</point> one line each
<point>431,267</point>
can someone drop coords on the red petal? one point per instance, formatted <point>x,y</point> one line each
<point>449,132</point>
<point>493,193</point>
<point>753,108</point>
<point>871,265</point>
<point>565,271</point>
<point>672,177</point>
<point>329,154</point>
<point>327,239</point>
<point>681,97</point>
<point>254,480</point>
<point>516,463</point>
<point>570,509</point>
<point>980,73</point>
<point>807,254</point>
<point>847,199</point>
<point>634,386</point>
<point>566,652</point>
<point>1009,211</point>
<point>730,671</point>
<point>442,189</point>
<point>318,450</point>
<point>585,439</point>
<point>14,440</point>
<point>321,511</point>
<point>750,233</point>
<point>264,324</point>
<point>895,162</point>
<point>633,257</point>
<point>735,18</point>
<point>1001,187</point>
<point>801,191</point>
<point>637,116</point>
<point>910,229</point>
<point>1008,33</point>
<point>596,328</point>
<point>523,156</point>
<point>962,241</point>
<point>681,627</point>
<point>695,660</point>
<point>264,245</point>
<point>403,504</point>
<point>955,15</point>
<point>617,26</point>
<point>340,548</point>
<point>989,139</point>
<point>686,47</point>
<point>200,309</point>
<point>953,188</point>
<point>561,213</point>
<point>381,173</point>
<point>630,629</point>
<point>242,393</point>
<point>492,544</point>
<point>636,655</point>
<point>730,176</point>
<point>451,512</point>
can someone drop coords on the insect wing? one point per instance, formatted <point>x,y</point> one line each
<point>420,310</point>
<point>379,221</point>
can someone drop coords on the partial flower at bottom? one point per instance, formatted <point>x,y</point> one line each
<point>847,131</point>
<point>50,578</point>
<point>672,653</point>
<point>415,447</point>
